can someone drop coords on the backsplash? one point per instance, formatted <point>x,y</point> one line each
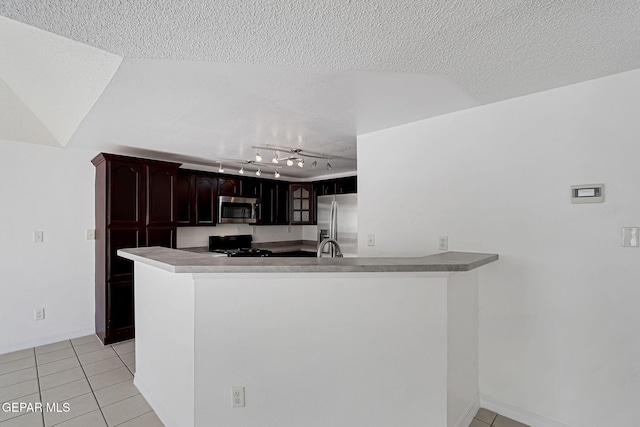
<point>188,237</point>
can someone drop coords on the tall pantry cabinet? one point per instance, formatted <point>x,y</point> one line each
<point>135,206</point>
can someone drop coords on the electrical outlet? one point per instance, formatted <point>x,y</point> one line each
<point>237,396</point>
<point>443,243</point>
<point>91,234</point>
<point>371,240</point>
<point>38,236</point>
<point>38,314</point>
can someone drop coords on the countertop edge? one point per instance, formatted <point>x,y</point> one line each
<point>178,261</point>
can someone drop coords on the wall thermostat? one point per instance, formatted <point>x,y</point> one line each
<point>590,193</point>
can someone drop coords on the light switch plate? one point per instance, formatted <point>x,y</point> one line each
<point>630,237</point>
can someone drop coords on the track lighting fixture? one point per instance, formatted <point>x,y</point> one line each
<point>277,174</point>
<point>289,162</point>
<point>241,171</point>
<point>258,172</point>
<point>314,164</point>
<point>258,156</point>
<point>220,168</point>
<point>301,163</point>
<point>328,166</point>
<point>275,158</point>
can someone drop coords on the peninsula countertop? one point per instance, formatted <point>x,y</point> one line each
<point>179,261</point>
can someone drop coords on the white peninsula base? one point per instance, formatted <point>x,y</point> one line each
<point>311,349</point>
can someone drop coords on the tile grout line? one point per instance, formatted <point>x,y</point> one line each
<point>39,388</point>
<point>90,386</point>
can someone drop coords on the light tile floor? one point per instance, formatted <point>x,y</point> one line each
<point>95,381</point>
<point>486,418</point>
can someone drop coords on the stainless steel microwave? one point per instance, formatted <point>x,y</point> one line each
<point>238,210</point>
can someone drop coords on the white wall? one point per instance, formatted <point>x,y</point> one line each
<point>51,190</point>
<point>319,350</point>
<point>559,316</point>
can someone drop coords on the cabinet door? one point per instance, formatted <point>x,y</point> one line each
<point>267,207</point>
<point>120,311</point>
<point>347,185</point>
<point>160,195</point>
<point>125,193</point>
<point>119,268</point>
<point>205,202</point>
<point>228,186</point>
<point>165,237</point>
<point>185,199</point>
<point>301,206</point>
<point>251,187</point>
<point>281,203</point>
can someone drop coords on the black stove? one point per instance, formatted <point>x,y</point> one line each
<point>236,246</point>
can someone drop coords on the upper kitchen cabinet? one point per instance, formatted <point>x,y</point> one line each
<point>251,187</point>
<point>229,186</point>
<point>346,185</point>
<point>336,186</point>
<point>206,199</point>
<point>301,204</point>
<point>196,198</point>
<point>185,197</point>
<point>134,206</point>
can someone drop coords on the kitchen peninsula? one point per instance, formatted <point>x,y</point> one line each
<point>313,341</point>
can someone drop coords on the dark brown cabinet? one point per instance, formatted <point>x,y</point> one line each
<point>274,208</point>
<point>135,206</point>
<point>206,200</point>
<point>196,198</point>
<point>336,186</point>
<point>252,187</point>
<point>301,205</point>
<point>185,195</point>
<point>229,186</point>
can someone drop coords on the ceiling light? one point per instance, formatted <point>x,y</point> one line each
<point>328,166</point>
<point>258,172</point>
<point>277,174</point>
<point>314,164</point>
<point>241,171</point>
<point>275,158</point>
<point>258,156</point>
<point>289,162</point>
<point>220,168</point>
<point>301,163</point>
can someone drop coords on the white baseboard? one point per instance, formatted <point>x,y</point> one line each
<point>153,402</point>
<point>471,412</point>
<point>47,340</point>
<point>518,414</point>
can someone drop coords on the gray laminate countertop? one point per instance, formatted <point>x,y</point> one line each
<point>179,261</point>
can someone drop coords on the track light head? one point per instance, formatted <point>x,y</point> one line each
<point>314,164</point>
<point>220,168</point>
<point>241,171</point>
<point>328,166</point>
<point>301,163</point>
<point>258,172</point>
<point>258,156</point>
<point>289,162</point>
<point>277,174</point>
<point>275,158</point>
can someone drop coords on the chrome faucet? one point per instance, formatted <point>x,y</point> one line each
<point>338,253</point>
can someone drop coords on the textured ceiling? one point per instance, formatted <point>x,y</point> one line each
<point>482,51</point>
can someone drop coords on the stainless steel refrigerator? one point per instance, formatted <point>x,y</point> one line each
<point>338,219</point>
